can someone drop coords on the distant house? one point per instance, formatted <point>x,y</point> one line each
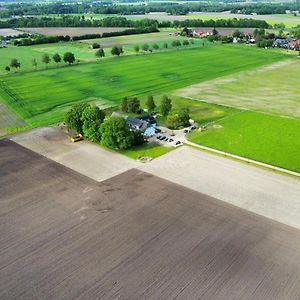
<point>294,44</point>
<point>281,43</point>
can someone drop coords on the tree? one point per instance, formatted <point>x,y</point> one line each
<point>115,134</point>
<point>165,45</point>
<point>57,58</point>
<point>7,69</point>
<point>155,46</point>
<point>14,63</point>
<point>174,43</point>
<point>138,138</point>
<point>100,53</point>
<point>46,59</point>
<point>185,43</point>
<point>69,57</point>
<point>92,118</point>
<point>166,105</point>
<point>173,121</point>
<point>215,32</point>
<point>134,105</point>
<point>124,105</point>
<point>96,46</point>
<point>34,63</point>
<point>137,49</point>
<point>73,116</point>
<point>145,47</point>
<point>117,50</point>
<point>150,104</point>
<point>184,117</point>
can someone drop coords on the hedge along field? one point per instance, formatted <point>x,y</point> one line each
<point>270,139</point>
<point>42,97</point>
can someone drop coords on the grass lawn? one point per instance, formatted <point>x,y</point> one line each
<point>270,139</point>
<point>146,150</point>
<point>200,112</point>
<point>42,97</point>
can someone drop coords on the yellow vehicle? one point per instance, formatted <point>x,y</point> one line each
<point>76,138</point>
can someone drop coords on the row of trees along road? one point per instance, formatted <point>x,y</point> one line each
<point>68,57</point>
<point>112,132</point>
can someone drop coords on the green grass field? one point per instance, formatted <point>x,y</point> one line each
<point>273,89</point>
<point>200,112</point>
<point>41,97</point>
<point>270,139</point>
<point>82,49</point>
<point>146,150</point>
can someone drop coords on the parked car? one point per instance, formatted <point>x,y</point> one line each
<point>76,138</point>
<point>177,143</point>
<point>158,137</point>
<point>163,138</point>
<point>171,140</point>
<point>185,131</point>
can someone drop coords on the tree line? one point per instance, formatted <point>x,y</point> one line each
<point>174,119</point>
<point>111,132</point>
<point>172,8</point>
<point>77,21</point>
<point>68,58</point>
<point>42,39</point>
<point>176,43</point>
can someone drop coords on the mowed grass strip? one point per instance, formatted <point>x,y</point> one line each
<point>146,150</point>
<point>270,139</point>
<point>42,97</point>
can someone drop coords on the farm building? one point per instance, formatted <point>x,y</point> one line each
<point>146,124</point>
<point>207,31</point>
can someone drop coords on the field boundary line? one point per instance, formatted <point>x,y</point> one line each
<point>244,159</point>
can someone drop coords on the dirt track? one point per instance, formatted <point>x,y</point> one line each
<point>134,236</point>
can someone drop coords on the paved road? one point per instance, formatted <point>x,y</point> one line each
<point>83,157</point>
<point>266,193</point>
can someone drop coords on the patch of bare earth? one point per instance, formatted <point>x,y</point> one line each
<point>134,236</point>
<point>72,31</point>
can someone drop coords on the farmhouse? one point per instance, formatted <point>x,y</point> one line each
<point>146,124</point>
<point>207,31</point>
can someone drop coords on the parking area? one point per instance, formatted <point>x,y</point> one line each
<point>170,138</point>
